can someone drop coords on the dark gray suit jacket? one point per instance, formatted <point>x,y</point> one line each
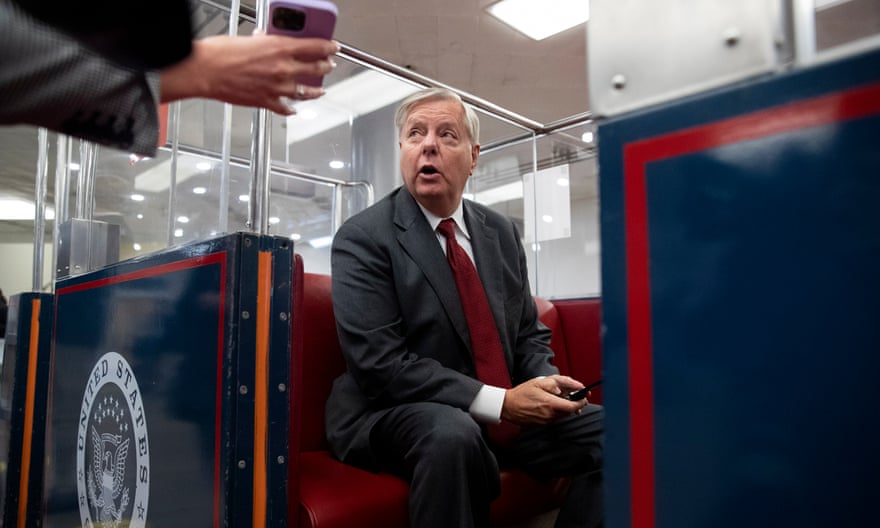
<point>48,79</point>
<point>400,321</point>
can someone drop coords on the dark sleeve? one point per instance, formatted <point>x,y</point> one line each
<point>47,79</point>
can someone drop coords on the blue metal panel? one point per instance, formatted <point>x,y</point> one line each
<point>741,243</point>
<point>148,422</point>
<point>23,408</point>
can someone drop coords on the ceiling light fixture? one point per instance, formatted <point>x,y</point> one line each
<point>321,242</point>
<point>538,23</point>
<point>336,164</point>
<point>199,190</point>
<point>18,209</point>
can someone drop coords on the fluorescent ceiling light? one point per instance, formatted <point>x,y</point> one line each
<point>541,20</point>
<point>344,101</point>
<point>18,209</point>
<point>499,194</point>
<point>321,242</point>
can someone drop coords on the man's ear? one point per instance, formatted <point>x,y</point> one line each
<point>475,155</point>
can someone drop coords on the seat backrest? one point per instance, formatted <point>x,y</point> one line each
<point>581,320</point>
<point>320,360</point>
<point>317,358</point>
<point>548,315</point>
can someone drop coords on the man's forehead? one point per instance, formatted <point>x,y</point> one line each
<point>442,110</point>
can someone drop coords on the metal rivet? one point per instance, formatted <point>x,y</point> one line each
<point>281,459</point>
<point>731,36</point>
<point>247,242</point>
<point>283,316</point>
<point>245,315</point>
<point>618,81</point>
<point>282,387</point>
<point>242,464</point>
<point>243,389</point>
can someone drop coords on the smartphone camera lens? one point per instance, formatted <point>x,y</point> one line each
<point>288,19</point>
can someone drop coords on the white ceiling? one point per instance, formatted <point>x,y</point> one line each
<point>458,43</point>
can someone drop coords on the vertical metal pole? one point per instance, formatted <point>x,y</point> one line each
<point>40,206</point>
<point>535,212</point>
<point>62,177</point>
<point>804,27</point>
<point>258,206</point>
<point>223,219</point>
<point>87,155</point>
<point>174,132</point>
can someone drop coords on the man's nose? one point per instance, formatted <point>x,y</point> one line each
<point>429,143</point>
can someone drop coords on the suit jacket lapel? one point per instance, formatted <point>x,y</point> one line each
<point>413,231</point>
<point>487,254</point>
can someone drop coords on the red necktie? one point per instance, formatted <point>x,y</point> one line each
<point>485,342</point>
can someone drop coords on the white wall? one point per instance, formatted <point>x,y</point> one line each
<point>16,266</point>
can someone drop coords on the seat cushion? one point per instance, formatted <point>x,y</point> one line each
<point>336,495</point>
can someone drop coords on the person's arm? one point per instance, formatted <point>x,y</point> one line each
<point>48,79</point>
<point>252,71</point>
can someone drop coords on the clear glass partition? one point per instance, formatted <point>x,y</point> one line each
<point>331,160</point>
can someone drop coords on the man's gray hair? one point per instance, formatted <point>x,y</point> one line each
<point>438,94</point>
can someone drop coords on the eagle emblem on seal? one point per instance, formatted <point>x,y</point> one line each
<point>106,488</point>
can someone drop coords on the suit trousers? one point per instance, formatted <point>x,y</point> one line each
<point>453,470</point>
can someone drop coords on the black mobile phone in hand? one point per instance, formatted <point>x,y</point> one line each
<point>303,19</point>
<point>580,394</point>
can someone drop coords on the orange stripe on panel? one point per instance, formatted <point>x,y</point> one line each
<point>27,434</point>
<point>261,386</point>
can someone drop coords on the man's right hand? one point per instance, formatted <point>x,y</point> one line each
<point>538,401</point>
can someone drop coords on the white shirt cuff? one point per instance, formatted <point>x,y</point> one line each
<point>486,407</point>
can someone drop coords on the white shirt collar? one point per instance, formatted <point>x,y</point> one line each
<point>458,216</point>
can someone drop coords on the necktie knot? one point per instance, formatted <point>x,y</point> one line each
<point>447,228</point>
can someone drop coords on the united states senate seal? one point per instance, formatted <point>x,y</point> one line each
<point>113,450</point>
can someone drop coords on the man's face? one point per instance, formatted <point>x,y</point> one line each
<point>436,155</point>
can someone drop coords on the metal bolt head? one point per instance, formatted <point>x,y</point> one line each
<point>618,81</point>
<point>242,464</point>
<point>242,389</point>
<point>283,316</point>
<point>282,387</point>
<point>245,315</point>
<point>731,36</point>
<point>280,459</point>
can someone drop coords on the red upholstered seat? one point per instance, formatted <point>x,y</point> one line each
<point>325,493</point>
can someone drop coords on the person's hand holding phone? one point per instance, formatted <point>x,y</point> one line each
<point>303,19</point>
<point>256,71</point>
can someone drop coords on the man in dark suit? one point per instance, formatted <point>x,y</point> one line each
<point>412,401</point>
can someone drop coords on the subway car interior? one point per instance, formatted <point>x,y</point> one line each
<point>696,184</point>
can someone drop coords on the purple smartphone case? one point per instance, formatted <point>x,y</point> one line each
<point>320,20</point>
